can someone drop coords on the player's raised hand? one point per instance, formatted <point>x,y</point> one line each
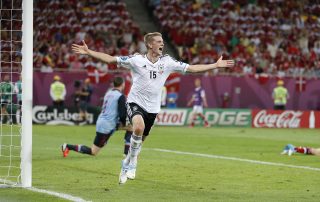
<point>80,49</point>
<point>224,63</point>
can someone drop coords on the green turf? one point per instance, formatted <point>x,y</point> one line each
<point>175,177</point>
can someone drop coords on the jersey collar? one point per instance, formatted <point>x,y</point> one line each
<point>150,60</point>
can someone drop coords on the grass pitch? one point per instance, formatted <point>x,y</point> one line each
<point>163,176</point>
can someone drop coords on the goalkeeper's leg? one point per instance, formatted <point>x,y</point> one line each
<point>100,140</point>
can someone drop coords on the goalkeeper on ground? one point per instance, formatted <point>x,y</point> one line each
<point>289,149</point>
<point>113,116</point>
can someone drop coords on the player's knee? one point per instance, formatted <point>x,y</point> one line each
<point>138,129</point>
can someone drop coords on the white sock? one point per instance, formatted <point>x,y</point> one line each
<point>135,148</point>
<point>18,116</point>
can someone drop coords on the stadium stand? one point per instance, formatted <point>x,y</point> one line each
<point>261,37</point>
<point>104,25</point>
<point>11,44</point>
<point>258,34</point>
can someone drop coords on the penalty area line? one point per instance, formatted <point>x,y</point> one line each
<point>235,159</point>
<point>8,183</point>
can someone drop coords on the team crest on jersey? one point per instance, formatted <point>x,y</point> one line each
<point>134,108</point>
<point>124,58</point>
<point>161,68</point>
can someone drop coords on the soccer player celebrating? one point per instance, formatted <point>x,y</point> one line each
<point>289,149</point>
<point>199,100</point>
<point>113,110</point>
<point>149,73</point>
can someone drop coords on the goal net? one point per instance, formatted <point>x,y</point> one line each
<point>15,75</point>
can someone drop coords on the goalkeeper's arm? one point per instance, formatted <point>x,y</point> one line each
<point>122,110</point>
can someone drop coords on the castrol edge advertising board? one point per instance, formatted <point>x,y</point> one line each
<point>215,117</point>
<point>285,119</point>
<point>172,117</point>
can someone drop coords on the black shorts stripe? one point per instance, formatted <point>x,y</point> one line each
<point>129,112</point>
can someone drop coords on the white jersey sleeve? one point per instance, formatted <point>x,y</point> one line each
<point>176,65</point>
<point>125,61</point>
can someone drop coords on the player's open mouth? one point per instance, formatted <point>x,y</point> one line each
<point>160,49</point>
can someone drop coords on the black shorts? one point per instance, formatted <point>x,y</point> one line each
<point>58,103</point>
<point>148,118</point>
<point>279,107</point>
<point>83,105</point>
<point>101,139</point>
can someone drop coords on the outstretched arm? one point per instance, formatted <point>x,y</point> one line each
<point>83,49</point>
<point>219,64</point>
<point>205,103</point>
<point>190,101</point>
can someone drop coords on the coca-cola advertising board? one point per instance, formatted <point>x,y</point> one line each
<point>285,119</point>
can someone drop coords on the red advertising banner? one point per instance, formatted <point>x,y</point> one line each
<point>285,119</point>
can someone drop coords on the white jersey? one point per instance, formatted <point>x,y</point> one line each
<point>149,78</point>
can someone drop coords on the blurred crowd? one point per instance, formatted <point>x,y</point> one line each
<point>105,26</point>
<point>10,36</point>
<point>277,37</point>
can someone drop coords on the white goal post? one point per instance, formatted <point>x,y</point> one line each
<point>16,83</point>
<point>27,84</point>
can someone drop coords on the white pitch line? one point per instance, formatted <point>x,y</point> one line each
<point>43,191</point>
<point>236,159</point>
<point>57,194</point>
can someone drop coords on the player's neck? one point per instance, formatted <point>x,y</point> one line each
<point>118,88</point>
<point>152,57</point>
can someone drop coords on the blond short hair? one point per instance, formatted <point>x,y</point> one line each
<point>148,38</point>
